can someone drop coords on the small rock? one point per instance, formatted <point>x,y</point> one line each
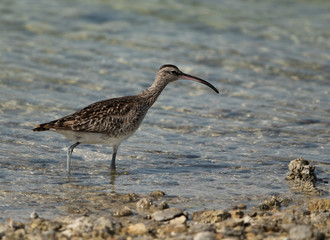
<point>137,229</point>
<point>79,225</point>
<point>273,203</point>
<point>157,194</point>
<point>239,206</point>
<point>104,226</point>
<point>247,220</point>
<point>300,232</point>
<point>20,233</point>
<point>167,214</point>
<point>319,205</point>
<point>3,228</point>
<point>144,204</point>
<point>211,216</point>
<point>81,210</point>
<point>287,201</point>
<point>126,211</point>
<point>300,169</point>
<point>171,230</point>
<point>50,234</point>
<point>263,207</point>
<point>321,220</point>
<point>230,223</point>
<point>130,197</point>
<point>302,177</point>
<point>306,213</point>
<point>179,220</point>
<point>236,213</point>
<point>205,236</point>
<point>34,215</point>
<point>252,214</point>
<point>201,227</point>
<point>162,205</point>
<point>15,225</point>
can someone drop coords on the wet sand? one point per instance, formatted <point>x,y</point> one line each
<point>155,216</point>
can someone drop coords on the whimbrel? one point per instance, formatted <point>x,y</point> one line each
<point>113,120</point>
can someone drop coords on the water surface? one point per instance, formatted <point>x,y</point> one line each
<point>269,59</point>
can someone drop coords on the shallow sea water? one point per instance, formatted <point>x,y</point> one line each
<point>269,59</point>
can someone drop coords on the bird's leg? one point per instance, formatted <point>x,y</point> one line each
<point>113,160</point>
<point>68,160</point>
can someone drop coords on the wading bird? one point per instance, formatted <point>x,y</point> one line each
<point>113,120</point>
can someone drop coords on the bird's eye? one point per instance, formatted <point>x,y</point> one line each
<point>174,72</point>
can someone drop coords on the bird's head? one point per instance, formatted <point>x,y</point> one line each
<point>170,73</point>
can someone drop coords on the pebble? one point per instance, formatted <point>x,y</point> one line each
<point>126,211</point>
<point>19,234</point>
<point>15,225</point>
<point>137,229</point>
<point>144,204</point>
<point>81,225</point>
<point>211,216</point>
<point>162,205</point>
<point>239,206</point>
<point>321,219</point>
<point>274,202</point>
<point>319,205</point>
<point>167,214</point>
<point>300,232</point>
<point>104,224</point>
<point>252,214</point>
<point>205,236</point>
<point>3,228</point>
<point>236,213</point>
<point>34,215</point>
<point>157,194</point>
<point>130,197</point>
<point>179,220</point>
<point>201,227</point>
<point>171,230</point>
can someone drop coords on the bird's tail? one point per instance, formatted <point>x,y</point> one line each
<point>41,127</point>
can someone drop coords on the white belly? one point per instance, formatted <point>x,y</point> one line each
<point>93,138</point>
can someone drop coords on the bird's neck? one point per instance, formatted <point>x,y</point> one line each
<point>151,93</point>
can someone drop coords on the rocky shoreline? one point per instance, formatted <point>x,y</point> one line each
<point>155,216</point>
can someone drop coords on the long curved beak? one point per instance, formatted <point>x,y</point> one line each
<point>196,79</point>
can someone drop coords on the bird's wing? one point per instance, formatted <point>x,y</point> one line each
<point>104,116</point>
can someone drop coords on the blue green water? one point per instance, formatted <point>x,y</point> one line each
<point>269,59</point>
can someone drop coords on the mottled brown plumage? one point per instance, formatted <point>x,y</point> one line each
<point>114,120</point>
<point>110,117</point>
